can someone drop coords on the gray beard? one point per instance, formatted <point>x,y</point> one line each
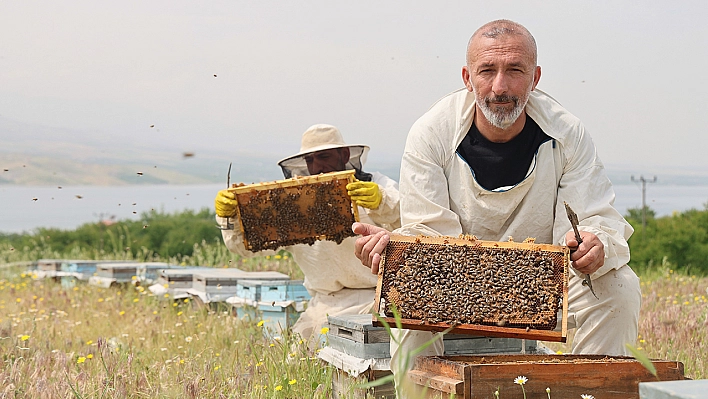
<point>501,118</point>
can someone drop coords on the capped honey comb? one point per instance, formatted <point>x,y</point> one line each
<point>503,289</point>
<point>299,210</point>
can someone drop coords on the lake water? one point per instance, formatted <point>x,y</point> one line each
<point>62,208</point>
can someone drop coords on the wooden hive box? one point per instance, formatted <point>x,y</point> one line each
<point>489,288</point>
<point>272,290</point>
<point>226,280</point>
<point>300,210</point>
<point>356,336</point>
<point>49,265</point>
<point>116,273</point>
<point>568,376</point>
<point>178,278</point>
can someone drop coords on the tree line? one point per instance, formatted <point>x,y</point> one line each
<point>680,240</point>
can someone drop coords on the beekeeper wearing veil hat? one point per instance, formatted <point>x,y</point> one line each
<point>335,278</point>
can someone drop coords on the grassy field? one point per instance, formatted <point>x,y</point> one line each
<point>89,342</point>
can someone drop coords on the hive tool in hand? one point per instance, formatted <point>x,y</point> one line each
<point>574,223</point>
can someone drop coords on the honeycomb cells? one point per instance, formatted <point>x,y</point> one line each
<point>469,284</point>
<point>300,214</point>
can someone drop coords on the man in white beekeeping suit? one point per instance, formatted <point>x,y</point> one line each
<point>334,277</point>
<point>498,160</point>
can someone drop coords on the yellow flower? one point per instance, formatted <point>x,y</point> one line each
<point>521,380</point>
<point>181,361</point>
<point>217,354</point>
<point>324,330</point>
<point>76,288</point>
<point>100,299</point>
<point>279,388</point>
<point>25,337</point>
<point>260,323</point>
<point>217,367</point>
<point>80,360</point>
<point>19,300</point>
<point>186,300</point>
<point>292,382</point>
<point>174,305</point>
<point>154,312</point>
<point>259,364</point>
<point>166,295</point>
<point>122,312</point>
<point>89,356</point>
<point>278,256</point>
<point>136,300</point>
<point>180,313</point>
<point>89,342</point>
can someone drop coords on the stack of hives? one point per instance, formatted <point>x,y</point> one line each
<point>485,287</point>
<point>300,210</point>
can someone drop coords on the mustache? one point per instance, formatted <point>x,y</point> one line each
<point>504,98</point>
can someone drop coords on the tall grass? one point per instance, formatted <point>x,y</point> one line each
<point>93,342</point>
<point>673,320</point>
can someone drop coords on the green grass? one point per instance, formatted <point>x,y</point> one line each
<point>90,342</point>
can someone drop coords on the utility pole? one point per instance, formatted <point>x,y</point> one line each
<point>644,198</point>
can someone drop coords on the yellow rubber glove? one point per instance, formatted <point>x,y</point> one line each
<point>365,193</point>
<point>225,204</point>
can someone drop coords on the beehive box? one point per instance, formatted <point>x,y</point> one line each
<point>110,274</point>
<point>495,289</point>
<point>356,336</point>
<point>49,265</point>
<point>174,282</point>
<point>568,376</point>
<point>272,290</point>
<point>300,210</point>
<point>217,285</point>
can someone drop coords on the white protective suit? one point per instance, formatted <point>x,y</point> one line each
<point>337,281</point>
<point>441,197</point>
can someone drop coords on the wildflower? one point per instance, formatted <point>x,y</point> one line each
<point>181,361</point>
<point>260,323</point>
<point>166,295</point>
<point>80,360</point>
<point>324,330</point>
<point>548,392</point>
<point>496,393</point>
<point>180,313</point>
<point>25,337</point>
<point>292,382</point>
<point>122,312</point>
<point>89,342</point>
<point>76,288</point>
<point>186,300</point>
<point>154,312</point>
<point>188,339</point>
<point>217,354</point>
<point>259,364</point>
<point>174,305</point>
<point>586,396</point>
<point>136,300</point>
<point>217,367</point>
<point>521,380</point>
<point>271,345</point>
<point>278,256</point>
<point>100,299</point>
<point>279,388</point>
<point>19,300</point>
<point>89,356</point>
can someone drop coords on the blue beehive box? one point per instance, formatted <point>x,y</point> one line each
<point>272,290</point>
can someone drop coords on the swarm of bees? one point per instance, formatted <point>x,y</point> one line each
<point>472,284</point>
<point>299,214</point>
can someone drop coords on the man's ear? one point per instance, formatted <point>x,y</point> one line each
<point>536,77</point>
<point>466,78</point>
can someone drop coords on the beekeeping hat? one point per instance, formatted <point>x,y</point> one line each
<point>318,138</point>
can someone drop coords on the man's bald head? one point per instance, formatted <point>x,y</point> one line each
<point>500,29</point>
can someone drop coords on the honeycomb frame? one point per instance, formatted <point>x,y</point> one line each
<point>422,276</point>
<point>299,210</point>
